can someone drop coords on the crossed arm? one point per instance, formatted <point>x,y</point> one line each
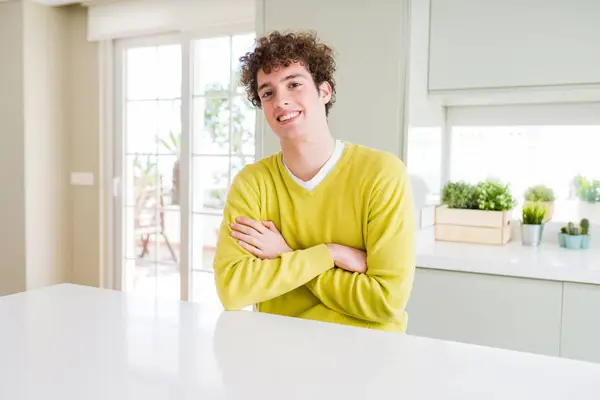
<point>254,263</point>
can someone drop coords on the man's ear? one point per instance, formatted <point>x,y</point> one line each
<point>325,92</point>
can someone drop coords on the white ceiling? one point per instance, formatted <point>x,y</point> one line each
<point>57,2</point>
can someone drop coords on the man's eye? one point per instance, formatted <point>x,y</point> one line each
<point>294,85</point>
<point>266,94</point>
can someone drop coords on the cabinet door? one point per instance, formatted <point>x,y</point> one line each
<point>492,44</point>
<point>497,311</point>
<point>581,322</point>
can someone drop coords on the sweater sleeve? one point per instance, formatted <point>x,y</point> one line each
<point>381,294</point>
<point>243,279</point>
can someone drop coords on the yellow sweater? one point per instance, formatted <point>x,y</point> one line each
<point>365,202</point>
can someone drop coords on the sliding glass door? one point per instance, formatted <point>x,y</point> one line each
<point>184,129</point>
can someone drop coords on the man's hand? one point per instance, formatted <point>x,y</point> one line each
<point>260,239</point>
<point>348,258</point>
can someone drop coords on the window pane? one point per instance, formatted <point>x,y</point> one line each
<point>168,170</point>
<point>241,44</point>
<point>210,183</point>
<point>168,77</point>
<point>169,126</point>
<point>238,163</point>
<point>243,118</point>
<point>212,65</point>
<point>140,174</point>
<point>142,73</point>
<point>425,161</point>
<point>141,127</point>
<point>524,156</point>
<point>211,126</point>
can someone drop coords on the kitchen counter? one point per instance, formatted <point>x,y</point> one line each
<point>547,262</point>
<point>70,342</point>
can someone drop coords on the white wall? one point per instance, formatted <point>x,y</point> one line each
<point>370,39</point>
<point>12,166</point>
<point>85,148</point>
<point>425,117</point>
<point>46,145</point>
<point>34,234</point>
<point>423,112</point>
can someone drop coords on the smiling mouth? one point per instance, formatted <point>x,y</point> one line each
<point>289,117</point>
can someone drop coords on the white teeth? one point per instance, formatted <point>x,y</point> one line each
<point>288,116</point>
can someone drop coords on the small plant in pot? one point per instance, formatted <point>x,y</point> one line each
<point>460,195</point>
<point>493,195</point>
<point>585,233</point>
<point>573,238</point>
<point>475,213</point>
<point>532,224</point>
<point>587,190</point>
<point>562,236</point>
<point>543,195</point>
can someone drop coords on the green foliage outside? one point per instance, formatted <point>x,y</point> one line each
<point>216,125</point>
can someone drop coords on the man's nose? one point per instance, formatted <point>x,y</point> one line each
<point>281,100</point>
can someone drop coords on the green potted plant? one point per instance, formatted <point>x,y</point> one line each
<point>588,194</point>
<point>587,190</point>
<point>459,195</point>
<point>494,196</point>
<point>532,224</point>
<point>562,236</point>
<point>573,239</point>
<point>585,233</point>
<point>541,194</point>
<point>475,213</point>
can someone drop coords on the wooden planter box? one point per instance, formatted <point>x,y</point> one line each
<point>472,226</point>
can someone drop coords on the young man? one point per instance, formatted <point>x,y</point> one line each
<point>324,229</point>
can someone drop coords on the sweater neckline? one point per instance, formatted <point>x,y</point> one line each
<point>338,167</point>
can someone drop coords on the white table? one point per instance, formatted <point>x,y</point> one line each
<point>73,343</point>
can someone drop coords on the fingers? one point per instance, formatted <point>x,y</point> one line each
<point>270,226</point>
<point>250,249</point>
<point>247,239</point>
<point>243,229</point>
<point>251,223</point>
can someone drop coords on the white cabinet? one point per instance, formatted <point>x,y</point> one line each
<point>581,322</point>
<point>508,44</point>
<point>497,311</point>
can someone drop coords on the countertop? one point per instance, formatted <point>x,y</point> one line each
<point>70,342</point>
<point>547,262</point>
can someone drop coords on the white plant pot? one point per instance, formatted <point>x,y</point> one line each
<point>531,235</point>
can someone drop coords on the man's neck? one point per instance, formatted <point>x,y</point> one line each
<point>304,158</point>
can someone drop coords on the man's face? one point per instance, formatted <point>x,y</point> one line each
<point>292,104</point>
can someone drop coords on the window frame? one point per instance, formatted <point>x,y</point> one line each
<point>112,68</point>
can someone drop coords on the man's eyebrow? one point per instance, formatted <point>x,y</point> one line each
<point>287,78</point>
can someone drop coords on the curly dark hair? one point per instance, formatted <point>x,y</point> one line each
<point>281,49</point>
